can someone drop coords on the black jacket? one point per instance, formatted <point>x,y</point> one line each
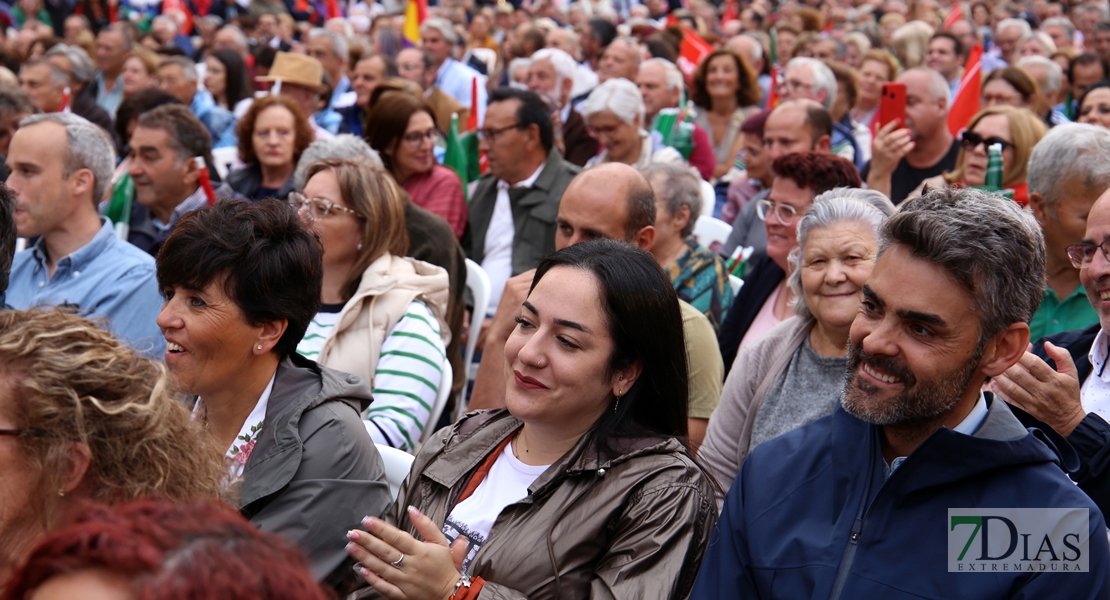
<point>762,279</point>
<point>1091,438</point>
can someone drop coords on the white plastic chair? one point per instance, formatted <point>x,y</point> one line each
<point>708,230</point>
<point>441,401</point>
<point>224,158</point>
<point>480,289</point>
<point>708,199</point>
<point>398,463</point>
<point>735,283</point>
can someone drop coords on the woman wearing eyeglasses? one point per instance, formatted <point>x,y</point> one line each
<point>382,316</point>
<point>272,136</point>
<point>1017,130</point>
<point>403,130</point>
<point>765,300</point>
<point>794,374</point>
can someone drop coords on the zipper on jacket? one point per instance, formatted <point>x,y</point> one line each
<point>845,567</point>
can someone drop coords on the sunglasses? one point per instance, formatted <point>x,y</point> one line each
<point>971,139</point>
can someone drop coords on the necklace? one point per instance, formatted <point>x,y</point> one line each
<point>516,438</point>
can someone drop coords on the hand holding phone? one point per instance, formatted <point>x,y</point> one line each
<point>892,104</point>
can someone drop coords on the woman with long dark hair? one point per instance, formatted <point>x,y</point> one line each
<point>226,78</point>
<point>585,476</point>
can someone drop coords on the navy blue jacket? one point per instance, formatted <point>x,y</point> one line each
<point>811,515</point>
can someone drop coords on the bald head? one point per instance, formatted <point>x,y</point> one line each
<point>607,201</point>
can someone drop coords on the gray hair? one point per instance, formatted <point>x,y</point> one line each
<point>991,247</point>
<point>565,66</point>
<point>839,205</point>
<point>58,76</point>
<point>1042,38</point>
<point>679,186</point>
<point>1054,74</point>
<point>343,146</point>
<point>674,76</point>
<point>1064,22</point>
<point>1093,7</point>
<point>187,66</point>
<point>89,148</point>
<point>339,44</point>
<point>938,87</point>
<point>213,20</point>
<point>240,37</point>
<point>1021,24</point>
<point>348,28</point>
<point>164,19</point>
<point>443,26</point>
<point>82,67</point>
<point>15,100</point>
<point>823,77</point>
<point>1069,152</point>
<point>618,96</point>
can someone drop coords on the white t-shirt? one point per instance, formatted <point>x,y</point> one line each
<point>1095,393</point>
<point>506,483</point>
<point>497,259</point>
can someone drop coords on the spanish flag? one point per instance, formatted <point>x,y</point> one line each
<point>415,13</point>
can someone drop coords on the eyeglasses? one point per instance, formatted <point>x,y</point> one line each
<point>793,85</point>
<point>597,132</point>
<point>414,138</point>
<point>12,432</point>
<point>971,140</point>
<point>1083,253</point>
<point>490,135</point>
<point>318,208</point>
<point>785,213</point>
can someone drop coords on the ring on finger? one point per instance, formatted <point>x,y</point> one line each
<point>397,563</point>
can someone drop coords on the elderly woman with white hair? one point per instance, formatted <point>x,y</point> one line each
<point>614,115</point>
<point>793,375</point>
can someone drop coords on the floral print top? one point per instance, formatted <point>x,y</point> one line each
<point>240,451</point>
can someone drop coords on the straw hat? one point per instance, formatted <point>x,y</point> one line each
<point>296,69</point>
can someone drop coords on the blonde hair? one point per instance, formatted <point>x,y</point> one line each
<point>380,205</point>
<point>1026,129</point>
<point>71,381</point>
<point>911,43</point>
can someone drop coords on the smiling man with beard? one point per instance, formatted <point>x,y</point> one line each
<point>867,502</point>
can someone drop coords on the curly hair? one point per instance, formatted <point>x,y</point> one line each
<point>72,381</point>
<point>302,129</point>
<point>748,93</point>
<point>818,170</point>
<point>170,551</point>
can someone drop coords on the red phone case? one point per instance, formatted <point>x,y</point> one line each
<point>892,103</point>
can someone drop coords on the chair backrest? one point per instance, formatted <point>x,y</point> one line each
<point>398,463</point>
<point>735,283</point>
<point>480,290</point>
<point>224,158</point>
<point>487,56</point>
<point>708,199</point>
<point>708,230</point>
<point>441,401</point>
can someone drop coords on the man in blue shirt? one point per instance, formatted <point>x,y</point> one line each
<point>60,166</point>
<point>112,47</point>
<point>454,78</point>
<point>877,499</point>
<point>7,240</point>
<point>178,76</point>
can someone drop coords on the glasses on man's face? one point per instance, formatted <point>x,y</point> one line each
<point>318,209</point>
<point>490,134</point>
<point>415,138</point>
<point>793,85</point>
<point>783,212</point>
<point>971,140</point>
<point>1083,253</point>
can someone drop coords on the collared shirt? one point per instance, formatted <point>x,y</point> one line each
<point>498,255</point>
<point>968,426</point>
<point>197,199</point>
<point>342,96</point>
<point>1055,315</point>
<point>1095,393</point>
<point>240,450</point>
<point>106,278</point>
<point>455,78</point>
<point>107,99</point>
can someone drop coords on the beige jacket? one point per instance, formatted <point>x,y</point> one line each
<point>387,288</point>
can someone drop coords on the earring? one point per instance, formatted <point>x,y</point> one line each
<point>359,246</point>
<point>259,347</point>
<point>61,493</point>
<point>618,402</point>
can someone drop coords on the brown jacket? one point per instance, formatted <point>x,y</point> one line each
<point>629,526</point>
<point>443,106</point>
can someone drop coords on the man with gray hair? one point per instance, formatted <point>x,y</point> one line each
<point>661,85</point>
<point>438,37</point>
<point>1068,171</point>
<point>61,166</point>
<point>178,76</point>
<point>332,50</point>
<point>1007,34</point>
<point>165,31</point>
<point>905,154</point>
<point>1049,77</point>
<point>918,454</point>
<point>82,96</point>
<point>551,75</point>
<point>418,66</point>
<point>113,43</point>
<point>1062,32</point>
<point>809,78</point>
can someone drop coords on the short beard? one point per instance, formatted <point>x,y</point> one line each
<point>919,406</point>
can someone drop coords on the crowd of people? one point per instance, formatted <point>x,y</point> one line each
<point>784,298</point>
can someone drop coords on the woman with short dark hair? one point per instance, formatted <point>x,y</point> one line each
<point>241,283</point>
<point>584,478</point>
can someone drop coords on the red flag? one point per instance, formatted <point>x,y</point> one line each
<point>472,117</point>
<point>333,9</point>
<point>773,96</point>
<point>731,12</point>
<point>952,17</point>
<point>966,102</point>
<point>691,52</point>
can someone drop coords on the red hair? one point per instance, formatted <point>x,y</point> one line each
<point>199,551</point>
<point>818,170</point>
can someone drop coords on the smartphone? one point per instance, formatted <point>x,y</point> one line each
<point>892,103</point>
